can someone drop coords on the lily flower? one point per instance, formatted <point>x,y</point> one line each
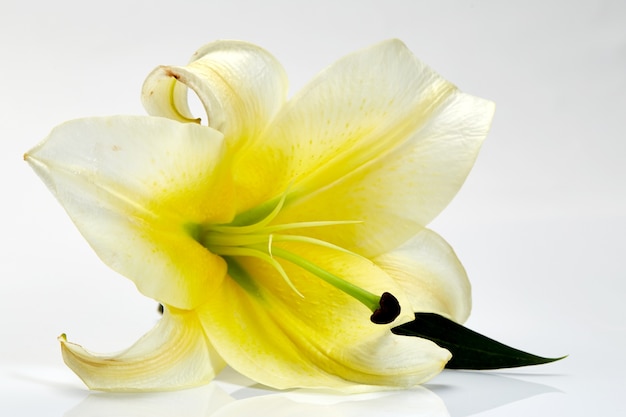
<point>284,238</point>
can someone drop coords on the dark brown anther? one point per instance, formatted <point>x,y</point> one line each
<point>160,308</point>
<point>388,311</point>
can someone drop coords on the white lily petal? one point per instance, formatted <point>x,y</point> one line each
<point>431,275</point>
<point>131,185</point>
<point>240,85</point>
<point>397,194</point>
<point>175,354</point>
<point>378,133</point>
<point>362,106</point>
<point>407,361</point>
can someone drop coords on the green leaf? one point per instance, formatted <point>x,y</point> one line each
<point>470,350</point>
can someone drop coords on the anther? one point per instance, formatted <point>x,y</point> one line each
<point>388,311</point>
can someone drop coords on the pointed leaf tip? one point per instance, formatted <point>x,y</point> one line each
<point>470,350</point>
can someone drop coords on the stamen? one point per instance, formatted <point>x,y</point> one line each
<point>312,241</point>
<point>388,311</point>
<point>269,245</point>
<point>302,225</point>
<point>385,308</point>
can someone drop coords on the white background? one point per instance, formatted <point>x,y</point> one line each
<point>539,224</point>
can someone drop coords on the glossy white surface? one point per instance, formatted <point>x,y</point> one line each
<point>539,225</point>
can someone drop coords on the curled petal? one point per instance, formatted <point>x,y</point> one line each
<point>240,85</point>
<point>132,185</point>
<point>431,275</point>
<point>175,354</point>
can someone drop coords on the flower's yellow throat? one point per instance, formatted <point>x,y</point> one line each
<point>257,240</point>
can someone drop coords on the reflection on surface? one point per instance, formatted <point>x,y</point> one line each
<point>464,393</point>
<point>414,402</point>
<point>213,401</point>
<point>196,402</point>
